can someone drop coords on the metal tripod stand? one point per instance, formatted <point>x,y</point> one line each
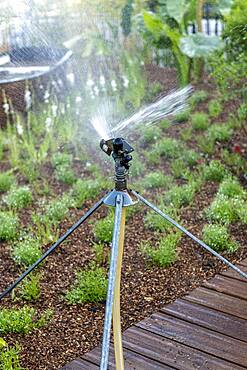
<point>120,198</point>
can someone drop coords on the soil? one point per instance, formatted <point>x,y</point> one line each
<point>76,329</point>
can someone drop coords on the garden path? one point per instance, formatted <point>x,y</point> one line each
<point>206,329</point>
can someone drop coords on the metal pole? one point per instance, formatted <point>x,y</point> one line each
<point>181,228</point>
<point>117,334</point>
<point>111,283</point>
<point>53,247</point>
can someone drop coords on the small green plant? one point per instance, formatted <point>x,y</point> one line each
<point>151,135</point>
<point>84,190</point>
<point>57,210</point>
<point>22,320</point>
<point>181,196</point>
<point>155,222</point>
<point>186,134</point>
<point>220,132</point>
<point>165,252</point>
<point>61,159</point>
<point>103,229</point>
<point>198,97</point>
<point>8,225</point>
<point>178,168</point>
<point>222,210</point>
<point>182,117</point>
<point>27,250</point>
<point>199,121</point>
<point>217,237</point>
<point>30,288</point>
<point>156,179</point>
<point>169,148</point>
<point>234,160</point>
<point>9,356</point>
<point>137,166</point>
<point>190,157</point>
<point>65,174</point>
<point>6,181</point>
<point>164,124</point>
<point>214,108</point>
<point>206,144</point>
<point>101,254</point>
<point>30,170</point>
<point>215,171</point>
<point>90,286</point>
<point>18,198</point>
<point>231,188</point>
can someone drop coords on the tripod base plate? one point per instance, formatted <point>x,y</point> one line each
<point>110,200</point>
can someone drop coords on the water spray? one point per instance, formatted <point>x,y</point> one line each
<point>119,198</point>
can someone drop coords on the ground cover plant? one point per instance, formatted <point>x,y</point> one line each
<point>191,165</point>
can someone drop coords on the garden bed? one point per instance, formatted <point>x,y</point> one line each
<point>75,329</point>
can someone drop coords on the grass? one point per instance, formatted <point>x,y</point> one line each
<point>27,251</point>
<point>217,237</point>
<point>6,181</point>
<point>90,286</point>
<point>199,121</point>
<point>22,320</point>
<point>18,198</point>
<point>165,252</point>
<point>8,225</point>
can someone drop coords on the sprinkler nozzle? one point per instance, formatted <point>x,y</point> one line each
<point>120,150</point>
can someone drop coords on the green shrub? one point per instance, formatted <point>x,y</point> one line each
<point>182,116</point>
<point>8,225</point>
<point>220,132</point>
<point>30,288</point>
<point>84,190</point>
<point>22,320</point>
<point>65,174</point>
<point>27,251</point>
<point>181,196</point>
<point>9,357</point>
<point>168,148</point>
<point>231,188</point>
<point>90,286</point>
<point>199,121</point>
<point>198,97</point>
<point>241,207</point>
<point>206,144</point>
<point>137,167</point>
<point>155,222</point>
<point>217,237</point>
<point>6,181</point>
<point>234,160</point>
<point>215,171</point>
<point>222,209</point>
<point>186,134</point>
<point>151,134</point>
<point>214,108</point>
<point>178,168</point>
<point>61,159</point>
<point>164,124</point>
<point>57,210</point>
<point>103,229</point>
<point>190,157</point>
<point>18,198</point>
<point>165,252</point>
<point>156,179</point>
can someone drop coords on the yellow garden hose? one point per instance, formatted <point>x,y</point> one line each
<point>118,347</point>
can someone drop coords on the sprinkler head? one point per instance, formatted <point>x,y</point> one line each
<point>120,150</point>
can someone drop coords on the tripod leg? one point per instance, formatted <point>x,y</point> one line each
<point>116,304</point>
<point>111,283</point>
<point>193,237</point>
<point>53,247</point>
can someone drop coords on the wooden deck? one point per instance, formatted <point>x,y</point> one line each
<point>206,329</point>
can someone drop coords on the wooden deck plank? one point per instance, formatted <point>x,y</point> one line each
<point>209,318</point>
<point>228,286</point>
<point>234,274</point>
<point>172,353</point>
<point>219,301</point>
<point>192,335</point>
<point>132,361</point>
<point>79,364</point>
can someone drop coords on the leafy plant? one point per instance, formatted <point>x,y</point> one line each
<point>156,179</point>
<point>214,108</point>
<point>217,237</point>
<point>230,187</point>
<point>168,148</point>
<point>206,144</point>
<point>9,357</point>
<point>150,134</point>
<point>178,168</point>
<point>103,229</point>
<point>181,195</point>
<point>165,252</point>
<point>220,132</point>
<point>8,225</point>
<point>186,134</point>
<point>84,190</point>
<point>61,159</point>
<point>223,210</point>
<point>198,97</point>
<point>6,181</point>
<point>182,117</point>
<point>22,320</point>
<point>65,174</point>
<point>57,209</point>
<point>199,121</point>
<point>234,160</point>
<point>215,171</point>
<point>30,288</point>
<point>27,250</point>
<point>18,198</point>
<point>157,223</point>
<point>90,286</point>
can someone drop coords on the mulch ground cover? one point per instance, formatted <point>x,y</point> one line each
<point>76,329</point>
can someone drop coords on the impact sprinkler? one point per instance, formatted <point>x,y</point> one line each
<point>119,198</point>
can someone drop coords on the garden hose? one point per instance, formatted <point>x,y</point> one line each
<point>118,347</point>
